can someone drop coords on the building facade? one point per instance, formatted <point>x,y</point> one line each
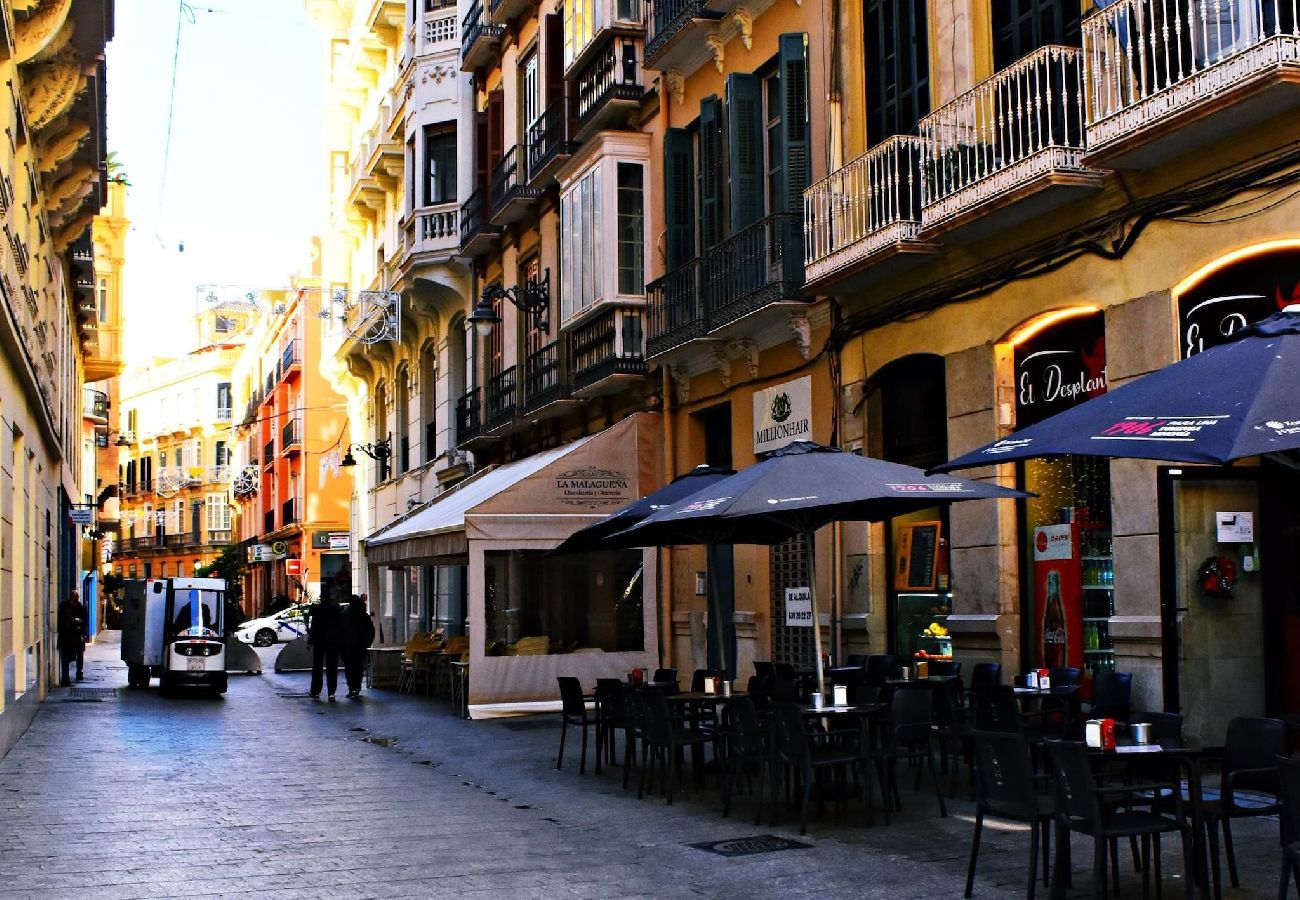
<point>1034,211</point>
<point>53,183</point>
<point>177,422</point>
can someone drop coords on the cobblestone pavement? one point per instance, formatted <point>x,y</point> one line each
<point>267,793</point>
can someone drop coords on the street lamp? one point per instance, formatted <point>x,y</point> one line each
<point>124,438</point>
<point>533,298</point>
<point>379,451</point>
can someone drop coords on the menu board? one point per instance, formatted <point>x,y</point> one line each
<point>917,559</point>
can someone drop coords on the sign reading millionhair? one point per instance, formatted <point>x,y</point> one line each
<point>783,414</point>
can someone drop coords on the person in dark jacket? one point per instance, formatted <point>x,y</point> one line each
<point>71,630</point>
<point>323,638</point>
<point>355,637</point>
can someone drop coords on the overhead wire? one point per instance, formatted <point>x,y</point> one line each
<point>183,12</point>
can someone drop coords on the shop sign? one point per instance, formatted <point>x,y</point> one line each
<point>330,540</point>
<point>293,566</point>
<point>82,514</point>
<point>798,607</point>
<point>260,553</point>
<point>1061,368</point>
<point>592,487</point>
<point>783,414</point>
<point>1235,527</point>
<point>1053,542</point>
<point>1235,297</point>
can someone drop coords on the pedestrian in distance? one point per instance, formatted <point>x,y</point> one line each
<point>71,631</point>
<point>355,637</point>
<point>323,638</point>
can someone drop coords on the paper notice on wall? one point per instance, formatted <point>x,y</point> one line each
<point>1235,527</point>
<point>798,607</point>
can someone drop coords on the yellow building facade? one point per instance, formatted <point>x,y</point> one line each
<point>51,58</point>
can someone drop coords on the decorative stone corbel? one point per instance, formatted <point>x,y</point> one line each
<point>675,82</point>
<point>745,22</point>
<point>802,330</point>
<point>747,352</point>
<point>718,46</point>
<point>682,382</point>
<point>722,363</point>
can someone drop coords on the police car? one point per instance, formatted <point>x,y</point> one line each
<point>285,625</point>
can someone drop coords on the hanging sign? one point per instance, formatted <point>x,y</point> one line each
<point>783,414</point>
<point>798,607</point>
<point>82,514</point>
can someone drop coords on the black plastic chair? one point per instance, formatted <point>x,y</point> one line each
<point>947,668</point>
<point>910,738</point>
<point>1005,788</point>
<point>983,676</point>
<point>880,667</point>
<point>665,677</point>
<point>664,743</point>
<point>1166,727</point>
<point>1101,812</point>
<point>1112,696</point>
<point>746,754</point>
<point>633,710</point>
<point>574,712</point>
<point>797,750</point>
<point>1248,763</point>
<point>609,717</point>
<point>1289,777</point>
<point>857,659</point>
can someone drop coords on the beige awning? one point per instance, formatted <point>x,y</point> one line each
<point>548,495</point>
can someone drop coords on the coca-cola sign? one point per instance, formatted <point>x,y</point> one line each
<point>1225,302</point>
<point>1059,368</point>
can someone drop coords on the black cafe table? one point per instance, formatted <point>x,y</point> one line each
<point>1186,756</point>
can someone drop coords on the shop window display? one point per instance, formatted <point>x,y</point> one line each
<point>534,603</point>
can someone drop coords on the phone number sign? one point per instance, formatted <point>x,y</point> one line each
<point>798,607</point>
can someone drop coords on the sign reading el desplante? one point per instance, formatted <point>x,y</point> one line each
<point>594,488</point>
<point>783,414</point>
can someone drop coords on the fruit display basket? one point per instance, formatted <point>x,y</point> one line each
<point>933,647</point>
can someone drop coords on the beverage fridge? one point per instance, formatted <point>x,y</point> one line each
<point>1073,597</point>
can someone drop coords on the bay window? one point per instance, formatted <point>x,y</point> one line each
<point>611,190</point>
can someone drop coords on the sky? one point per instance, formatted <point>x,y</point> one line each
<point>242,189</point>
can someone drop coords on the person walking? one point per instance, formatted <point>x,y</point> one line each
<point>355,637</point>
<point>323,638</point>
<point>71,633</point>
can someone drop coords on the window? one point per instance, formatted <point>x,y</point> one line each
<point>224,401</point>
<point>102,295</point>
<point>221,454</point>
<point>581,226</point>
<point>439,166</point>
<point>631,229</point>
<point>534,338</point>
<point>1022,26</point>
<point>579,27</point>
<point>429,400</point>
<point>530,95</point>
<point>898,66</point>
<point>224,324</point>
<point>218,512</point>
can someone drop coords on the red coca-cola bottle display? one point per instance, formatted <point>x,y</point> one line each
<point>1054,634</point>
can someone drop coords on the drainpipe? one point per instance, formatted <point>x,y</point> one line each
<point>666,553</point>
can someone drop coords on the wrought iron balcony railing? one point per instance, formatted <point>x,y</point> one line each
<point>469,420</point>
<point>268,453</point>
<point>473,215</point>
<point>95,404</point>
<point>606,78</point>
<point>290,435</point>
<point>501,397</point>
<point>288,513</point>
<point>544,376</point>
<point>666,18</point>
<point>548,137</point>
<point>674,309</point>
<point>610,344</point>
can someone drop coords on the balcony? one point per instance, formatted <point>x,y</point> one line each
<point>288,513</point>
<point>607,90</point>
<point>218,538</point>
<point>607,352</point>
<point>216,474</point>
<point>548,142</point>
<point>479,39</point>
<point>469,422</point>
<point>290,365</point>
<point>675,34</point>
<point>291,438</point>
<point>438,31</point>
<point>716,294</point>
<point>501,398</point>
<point>477,234</point>
<point>866,213</point>
<point>1009,149</point>
<point>268,453</point>
<point>432,233</point>
<point>502,12</point>
<point>94,406</point>
<point>176,540</point>
<point>511,198</point>
<point>546,389</point>
<point>386,18</point>
<point>268,521</point>
<point>1169,76</point>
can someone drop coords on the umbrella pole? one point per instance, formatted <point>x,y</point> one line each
<point>810,543</point>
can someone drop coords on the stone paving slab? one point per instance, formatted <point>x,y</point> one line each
<point>263,795</point>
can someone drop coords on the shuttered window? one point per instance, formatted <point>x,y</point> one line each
<point>679,196</point>
<point>792,68</point>
<point>713,226</point>
<point>898,67</point>
<point>745,148</point>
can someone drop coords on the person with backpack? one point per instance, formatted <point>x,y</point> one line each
<point>356,634</point>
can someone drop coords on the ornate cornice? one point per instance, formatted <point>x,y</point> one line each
<point>50,89</point>
<point>35,33</point>
<point>60,147</point>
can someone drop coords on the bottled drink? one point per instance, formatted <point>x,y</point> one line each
<point>1054,640</point>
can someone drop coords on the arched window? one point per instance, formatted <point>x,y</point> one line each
<point>381,429</point>
<point>402,391</point>
<point>429,400</point>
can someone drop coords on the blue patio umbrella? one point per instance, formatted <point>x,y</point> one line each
<point>592,537</point>
<point>794,491</point>
<point>1235,400</point>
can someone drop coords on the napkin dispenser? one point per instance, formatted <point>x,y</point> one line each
<point>841,695</point>
<point>1031,679</point>
<point>709,686</point>
<point>1100,734</point>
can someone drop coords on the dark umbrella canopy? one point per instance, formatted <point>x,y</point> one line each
<point>796,490</point>
<point>592,537</point>
<point>1234,400</point>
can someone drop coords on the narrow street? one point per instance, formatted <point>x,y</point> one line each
<point>267,793</point>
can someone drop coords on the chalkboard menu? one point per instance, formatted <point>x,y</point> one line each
<point>917,565</point>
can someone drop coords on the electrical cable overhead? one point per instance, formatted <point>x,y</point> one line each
<point>183,12</point>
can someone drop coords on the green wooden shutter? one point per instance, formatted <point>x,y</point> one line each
<point>745,148</point>
<point>792,62</point>
<point>713,225</point>
<point>679,196</point>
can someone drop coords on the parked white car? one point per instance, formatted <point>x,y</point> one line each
<point>285,625</point>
